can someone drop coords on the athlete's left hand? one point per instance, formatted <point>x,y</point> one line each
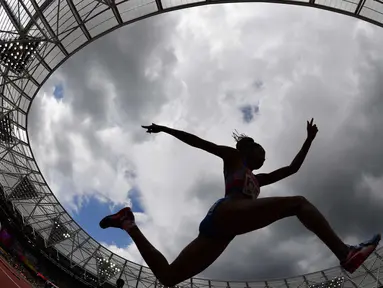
<point>312,129</point>
<point>154,128</point>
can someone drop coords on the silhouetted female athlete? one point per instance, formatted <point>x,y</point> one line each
<point>239,212</point>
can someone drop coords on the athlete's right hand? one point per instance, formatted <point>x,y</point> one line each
<point>153,128</point>
<point>312,129</point>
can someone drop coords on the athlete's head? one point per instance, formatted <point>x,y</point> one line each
<point>252,152</point>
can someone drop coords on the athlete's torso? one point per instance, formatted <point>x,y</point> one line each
<point>241,183</point>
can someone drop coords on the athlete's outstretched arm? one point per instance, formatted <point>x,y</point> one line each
<point>224,152</point>
<point>277,175</point>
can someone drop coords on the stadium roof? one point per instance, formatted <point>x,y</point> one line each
<point>36,37</point>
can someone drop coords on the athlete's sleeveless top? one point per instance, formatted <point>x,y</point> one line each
<point>242,181</point>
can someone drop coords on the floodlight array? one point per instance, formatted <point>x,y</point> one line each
<point>6,128</point>
<point>24,190</point>
<point>16,54</point>
<point>106,268</point>
<point>58,233</point>
<point>90,278</point>
<point>334,283</point>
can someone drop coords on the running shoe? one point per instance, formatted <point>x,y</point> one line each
<point>119,219</point>
<point>359,253</point>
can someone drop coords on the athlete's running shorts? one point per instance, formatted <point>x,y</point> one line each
<point>206,227</point>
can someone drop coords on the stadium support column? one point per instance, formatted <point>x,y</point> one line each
<point>360,7</point>
<point>123,269</point>
<point>138,277</point>
<point>305,280</point>
<point>324,275</point>
<point>115,11</point>
<point>74,249</point>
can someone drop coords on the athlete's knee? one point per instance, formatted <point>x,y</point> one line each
<point>299,203</point>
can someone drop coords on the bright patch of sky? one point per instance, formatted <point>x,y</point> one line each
<point>90,214</point>
<point>58,92</point>
<point>249,111</point>
<point>135,200</point>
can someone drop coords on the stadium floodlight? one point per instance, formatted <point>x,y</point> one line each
<point>106,269</point>
<point>333,283</point>
<point>16,54</point>
<point>5,128</point>
<point>24,190</point>
<point>90,277</point>
<point>58,233</point>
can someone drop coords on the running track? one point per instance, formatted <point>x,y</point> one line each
<point>10,278</point>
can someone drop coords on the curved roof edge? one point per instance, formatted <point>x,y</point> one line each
<point>62,28</point>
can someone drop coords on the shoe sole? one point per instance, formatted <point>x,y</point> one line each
<point>358,259</point>
<point>104,222</point>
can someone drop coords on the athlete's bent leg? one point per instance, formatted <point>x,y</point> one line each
<point>194,258</point>
<point>242,216</point>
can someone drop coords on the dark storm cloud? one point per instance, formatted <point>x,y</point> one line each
<point>105,85</point>
<point>336,186</point>
<point>118,64</point>
<point>61,138</point>
<point>332,178</point>
<point>122,57</point>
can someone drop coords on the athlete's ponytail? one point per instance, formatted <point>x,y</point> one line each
<point>244,142</point>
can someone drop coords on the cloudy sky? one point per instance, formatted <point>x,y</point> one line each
<point>261,69</point>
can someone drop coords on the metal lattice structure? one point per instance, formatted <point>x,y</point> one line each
<point>36,37</point>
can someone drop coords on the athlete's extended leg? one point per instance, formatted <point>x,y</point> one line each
<point>195,257</point>
<point>242,216</point>
<point>265,211</point>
